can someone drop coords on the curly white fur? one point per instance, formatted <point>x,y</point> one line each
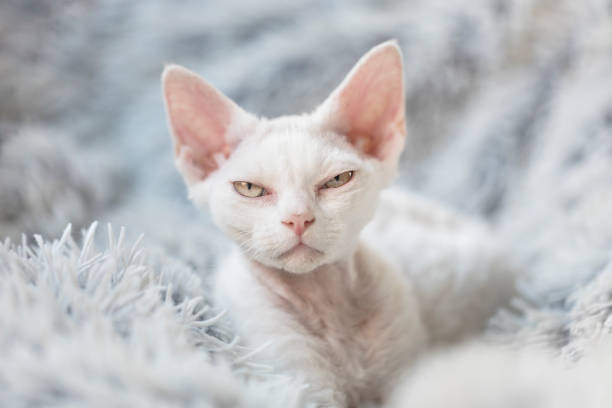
<point>330,309</point>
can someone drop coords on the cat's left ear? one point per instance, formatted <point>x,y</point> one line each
<point>368,106</point>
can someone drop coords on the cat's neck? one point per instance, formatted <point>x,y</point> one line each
<point>335,277</point>
<point>342,266</point>
<point>329,296</point>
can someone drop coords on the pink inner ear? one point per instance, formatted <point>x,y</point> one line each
<point>199,119</point>
<point>371,102</point>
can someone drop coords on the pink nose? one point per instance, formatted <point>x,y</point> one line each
<point>299,222</point>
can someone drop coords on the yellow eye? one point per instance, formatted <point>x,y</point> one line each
<point>248,189</point>
<point>340,180</point>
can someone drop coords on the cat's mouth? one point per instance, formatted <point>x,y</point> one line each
<point>300,248</point>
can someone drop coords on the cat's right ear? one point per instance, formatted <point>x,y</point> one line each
<point>206,126</point>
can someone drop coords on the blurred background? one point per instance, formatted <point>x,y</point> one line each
<point>509,107</point>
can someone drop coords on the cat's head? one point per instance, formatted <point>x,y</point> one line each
<point>293,192</point>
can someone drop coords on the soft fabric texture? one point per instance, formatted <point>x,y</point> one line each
<point>84,327</point>
<point>508,115</point>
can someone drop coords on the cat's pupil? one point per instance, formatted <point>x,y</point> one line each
<point>249,185</point>
<point>337,177</point>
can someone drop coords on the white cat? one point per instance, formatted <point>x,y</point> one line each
<point>294,193</point>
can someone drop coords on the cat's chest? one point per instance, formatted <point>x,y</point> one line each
<point>324,307</point>
<point>340,313</point>
<point>353,329</point>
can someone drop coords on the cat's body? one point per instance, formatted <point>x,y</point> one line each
<point>455,266</point>
<point>353,326</point>
<point>294,193</point>
<point>347,329</point>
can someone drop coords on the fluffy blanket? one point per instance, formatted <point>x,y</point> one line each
<point>509,107</point>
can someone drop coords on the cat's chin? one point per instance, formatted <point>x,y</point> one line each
<point>300,259</point>
<point>300,250</point>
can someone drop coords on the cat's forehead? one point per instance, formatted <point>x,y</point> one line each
<point>293,148</point>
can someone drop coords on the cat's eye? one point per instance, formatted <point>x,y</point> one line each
<point>340,180</point>
<point>248,189</point>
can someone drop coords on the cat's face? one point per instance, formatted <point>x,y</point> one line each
<point>296,215</point>
<point>292,192</point>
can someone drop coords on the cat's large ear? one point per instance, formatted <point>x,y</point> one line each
<point>368,106</point>
<point>205,125</point>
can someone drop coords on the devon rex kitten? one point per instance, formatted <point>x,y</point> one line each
<point>295,193</point>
